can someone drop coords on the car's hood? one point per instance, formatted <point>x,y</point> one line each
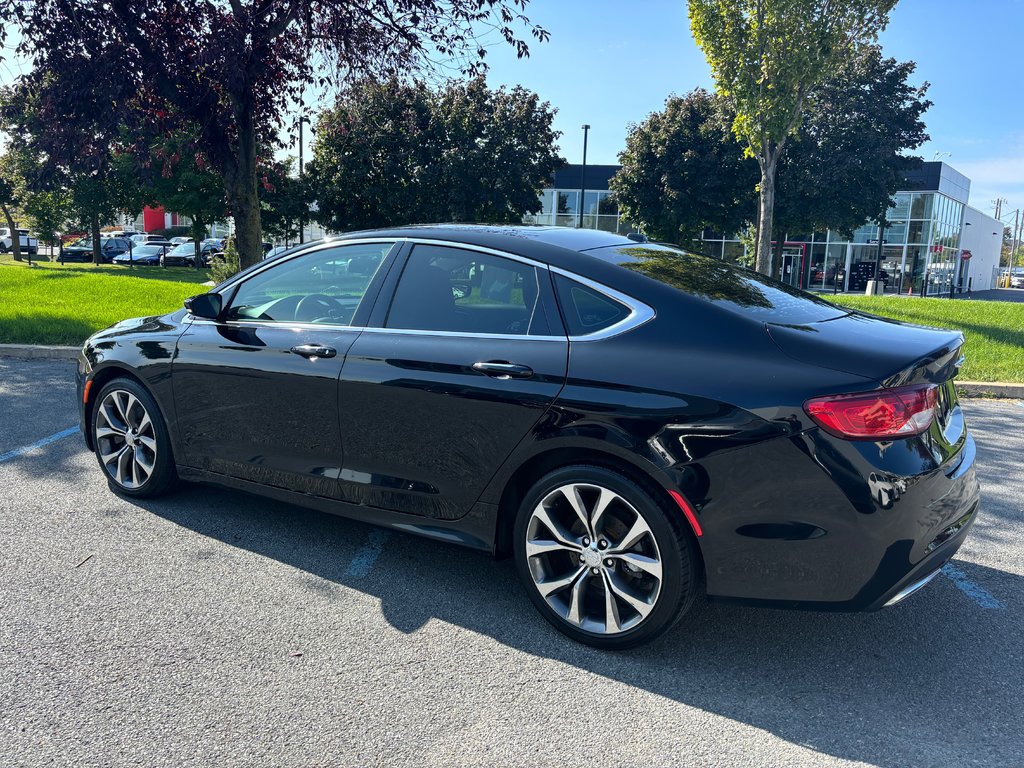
<point>137,325</point>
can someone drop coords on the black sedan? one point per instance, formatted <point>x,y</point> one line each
<point>632,423</point>
<point>184,255</point>
<point>142,254</point>
<point>81,250</point>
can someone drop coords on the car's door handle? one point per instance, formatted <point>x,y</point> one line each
<point>314,350</point>
<point>499,369</point>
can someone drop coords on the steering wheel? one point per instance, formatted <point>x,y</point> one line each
<point>318,305</point>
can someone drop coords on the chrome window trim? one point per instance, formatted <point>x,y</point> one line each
<point>639,314</point>
<point>463,334</point>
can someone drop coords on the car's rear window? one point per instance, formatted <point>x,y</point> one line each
<point>733,288</point>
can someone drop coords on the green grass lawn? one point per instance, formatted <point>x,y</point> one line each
<point>994,329</point>
<point>53,304</point>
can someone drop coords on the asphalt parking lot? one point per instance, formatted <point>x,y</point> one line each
<point>216,628</point>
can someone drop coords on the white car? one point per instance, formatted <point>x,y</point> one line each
<point>1017,277</point>
<point>29,244</point>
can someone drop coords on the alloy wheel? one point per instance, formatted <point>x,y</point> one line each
<point>593,558</point>
<point>126,439</point>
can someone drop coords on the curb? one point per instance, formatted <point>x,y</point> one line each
<point>38,352</point>
<point>990,389</point>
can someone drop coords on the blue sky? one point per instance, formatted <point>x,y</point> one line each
<point>612,62</point>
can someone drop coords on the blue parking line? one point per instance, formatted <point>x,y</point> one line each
<point>977,593</point>
<point>37,444</point>
<point>367,555</point>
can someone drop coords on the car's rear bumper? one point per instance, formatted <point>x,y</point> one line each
<point>855,526</point>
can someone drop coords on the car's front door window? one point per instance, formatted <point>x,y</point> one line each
<point>324,287</point>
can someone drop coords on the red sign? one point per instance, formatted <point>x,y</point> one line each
<point>965,255</point>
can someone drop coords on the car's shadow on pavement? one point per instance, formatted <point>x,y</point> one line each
<point>896,688</point>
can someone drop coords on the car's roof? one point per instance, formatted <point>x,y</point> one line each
<point>505,236</point>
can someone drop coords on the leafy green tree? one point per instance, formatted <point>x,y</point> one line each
<point>12,191</point>
<point>233,68</point>
<point>396,153</point>
<point>284,200</point>
<point>183,182</point>
<point>766,57</point>
<point>683,171</point>
<point>849,157</point>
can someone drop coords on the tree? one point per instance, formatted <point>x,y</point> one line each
<point>766,57</point>
<point>848,158</point>
<point>233,68</point>
<point>12,190</point>
<point>683,171</point>
<point>182,181</point>
<point>285,201</point>
<point>76,146</point>
<point>396,153</point>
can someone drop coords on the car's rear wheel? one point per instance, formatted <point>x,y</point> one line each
<point>131,440</point>
<point>602,559</point>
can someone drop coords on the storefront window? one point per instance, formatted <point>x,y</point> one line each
<point>922,205</point>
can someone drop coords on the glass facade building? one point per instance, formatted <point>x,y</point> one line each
<point>560,204</point>
<point>920,247</point>
<point>920,250</point>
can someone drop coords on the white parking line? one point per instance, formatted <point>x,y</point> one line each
<point>977,593</point>
<point>37,444</point>
<point>367,555</point>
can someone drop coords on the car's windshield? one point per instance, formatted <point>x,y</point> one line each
<point>733,288</point>
<point>82,242</point>
<point>185,249</point>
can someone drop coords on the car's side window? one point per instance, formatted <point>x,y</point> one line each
<point>325,286</point>
<point>455,289</point>
<point>586,310</point>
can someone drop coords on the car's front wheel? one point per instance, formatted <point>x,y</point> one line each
<point>131,440</point>
<point>602,559</point>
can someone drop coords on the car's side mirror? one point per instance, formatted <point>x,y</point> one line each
<point>208,305</point>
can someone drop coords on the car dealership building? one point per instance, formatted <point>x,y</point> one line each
<point>933,238</point>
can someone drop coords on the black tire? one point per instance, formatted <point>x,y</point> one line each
<point>675,545</point>
<point>163,476</point>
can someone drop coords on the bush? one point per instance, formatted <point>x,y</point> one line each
<point>224,265</point>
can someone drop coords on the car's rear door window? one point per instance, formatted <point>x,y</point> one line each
<point>443,288</point>
<point>586,310</point>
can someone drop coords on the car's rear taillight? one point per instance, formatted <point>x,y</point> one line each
<point>878,415</point>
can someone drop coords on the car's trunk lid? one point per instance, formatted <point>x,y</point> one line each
<point>890,352</point>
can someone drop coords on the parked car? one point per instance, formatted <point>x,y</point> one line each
<point>1017,277</point>
<point>184,255</point>
<point>631,423</point>
<point>29,244</point>
<point>180,240</point>
<point>144,239</point>
<point>82,249</point>
<point>121,233</point>
<point>142,254</point>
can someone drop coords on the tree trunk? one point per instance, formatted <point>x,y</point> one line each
<point>766,212</point>
<point>242,192</point>
<point>15,237</point>
<point>198,230</point>
<point>97,257</point>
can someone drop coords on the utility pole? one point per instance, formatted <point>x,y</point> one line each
<point>1014,244</point>
<point>583,171</point>
<point>302,219</point>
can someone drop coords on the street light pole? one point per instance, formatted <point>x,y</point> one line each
<point>302,219</point>
<point>583,172</point>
